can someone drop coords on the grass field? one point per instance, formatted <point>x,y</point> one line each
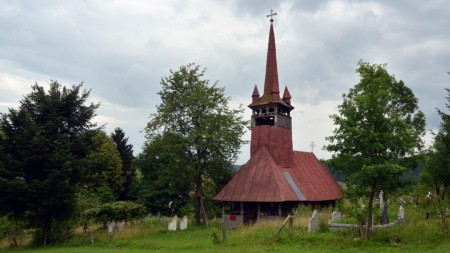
<point>151,235</point>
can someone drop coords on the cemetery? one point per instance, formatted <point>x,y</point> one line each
<point>180,196</point>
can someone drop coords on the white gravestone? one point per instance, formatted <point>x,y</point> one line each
<point>121,225</point>
<point>111,228</point>
<point>313,222</point>
<point>336,216</point>
<point>173,223</point>
<point>401,213</point>
<point>183,223</point>
<point>381,199</point>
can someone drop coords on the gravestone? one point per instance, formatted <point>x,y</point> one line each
<point>380,197</point>
<point>401,213</point>
<point>385,215</point>
<point>313,221</point>
<point>111,228</point>
<point>401,210</point>
<point>336,216</point>
<point>173,223</point>
<point>183,223</point>
<point>121,225</point>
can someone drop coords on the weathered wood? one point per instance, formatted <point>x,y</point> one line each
<point>229,224</point>
<point>444,221</point>
<point>291,226</point>
<point>205,217</point>
<point>282,225</point>
<point>91,237</point>
<point>224,232</point>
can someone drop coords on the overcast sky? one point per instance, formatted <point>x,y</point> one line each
<point>122,49</point>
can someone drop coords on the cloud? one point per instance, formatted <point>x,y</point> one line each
<point>122,49</point>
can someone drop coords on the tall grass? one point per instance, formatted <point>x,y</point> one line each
<point>416,235</point>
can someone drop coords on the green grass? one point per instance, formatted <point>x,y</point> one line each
<point>418,235</point>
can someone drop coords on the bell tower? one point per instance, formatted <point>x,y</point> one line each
<point>271,121</point>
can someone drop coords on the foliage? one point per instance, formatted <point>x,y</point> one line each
<point>103,164</point>
<point>437,168</point>
<point>152,190</point>
<point>126,155</point>
<point>44,142</point>
<point>379,130</point>
<point>197,120</point>
<point>120,210</point>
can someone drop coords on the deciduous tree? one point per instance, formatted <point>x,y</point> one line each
<point>207,130</point>
<point>378,132</point>
<point>437,167</point>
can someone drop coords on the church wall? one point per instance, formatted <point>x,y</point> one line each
<point>277,139</point>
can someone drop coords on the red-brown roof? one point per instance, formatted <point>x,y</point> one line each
<point>262,180</point>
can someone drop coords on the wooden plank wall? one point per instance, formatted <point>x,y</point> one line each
<point>228,224</point>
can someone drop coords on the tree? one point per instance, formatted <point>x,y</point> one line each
<point>126,154</point>
<point>378,133</point>
<point>198,119</point>
<point>103,165</point>
<point>43,144</point>
<point>437,168</point>
<point>163,179</point>
<point>120,210</point>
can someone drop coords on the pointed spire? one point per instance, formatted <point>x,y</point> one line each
<point>255,95</point>
<point>287,96</point>
<point>271,81</point>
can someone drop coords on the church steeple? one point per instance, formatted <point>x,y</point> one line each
<point>271,119</point>
<point>271,81</point>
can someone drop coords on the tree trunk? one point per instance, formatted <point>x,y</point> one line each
<point>437,188</point>
<point>198,195</point>
<point>369,219</point>
<point>14,234</point>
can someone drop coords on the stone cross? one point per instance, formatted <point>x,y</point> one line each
<point>401,201</point>
<point>271,15</point>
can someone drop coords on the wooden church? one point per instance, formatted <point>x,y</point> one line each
<point>277,178</point>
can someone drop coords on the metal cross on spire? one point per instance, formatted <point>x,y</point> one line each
<point>271,15</point>
<point>312,145</point>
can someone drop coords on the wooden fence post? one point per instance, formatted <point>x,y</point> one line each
<point>224,232</point>
<point>282,225</point>
<point>444,220</point>
<point>291,226</point>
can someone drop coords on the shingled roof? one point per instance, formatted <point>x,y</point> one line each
<point>262,180</point>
